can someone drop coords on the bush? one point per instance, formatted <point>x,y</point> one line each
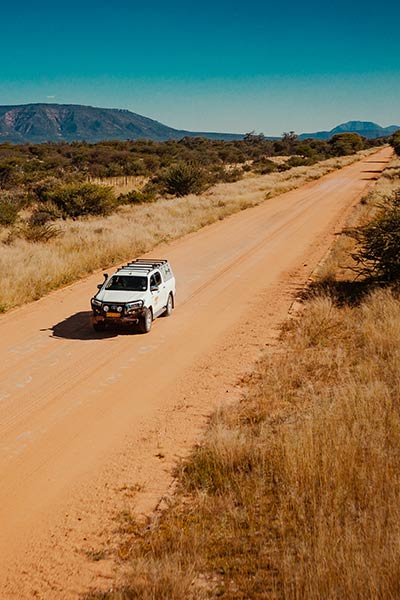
<point>379,242</point>
<point>264,166</point>
<point>136,197</point>
<point>39,232</point>
<point>396,142</point>
<point>41,217</point>
<point>45,213</point>
<point>77,199</point>
<point>7,174</point>
<point>183,179</point>
<point>33,232</point>
<point>343,144</point>
<point>9,208</point>
<point>299,161</point>
<point>220,174</point>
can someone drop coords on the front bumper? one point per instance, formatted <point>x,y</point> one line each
<point>123,318</point>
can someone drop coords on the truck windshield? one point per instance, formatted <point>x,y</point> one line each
<point>129,283</point>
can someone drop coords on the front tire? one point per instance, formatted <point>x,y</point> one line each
<point>169,307</point>
<point>146,321</point>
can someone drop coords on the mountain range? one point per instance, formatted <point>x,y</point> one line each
<point>364,128</point>
<point>36,123</point>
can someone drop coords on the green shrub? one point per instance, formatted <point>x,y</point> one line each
<point>299,161</point>
<point>9,209</point>
<point>136,197</point>
<point>346,143</point>
<point>396,142</point>
<point>379,242</point>
<point>77,199</point>
<point>264,166</point>
<point>183,179</point>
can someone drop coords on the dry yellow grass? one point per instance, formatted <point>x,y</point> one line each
<point>295,492</point>
<point>28,271</point>
<point>122,184</point>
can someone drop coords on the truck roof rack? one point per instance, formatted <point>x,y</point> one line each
<point>144,264</point>
<point>151,263</point>
<point>136,268</point>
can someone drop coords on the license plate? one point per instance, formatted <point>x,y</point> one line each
<point>113,315</point>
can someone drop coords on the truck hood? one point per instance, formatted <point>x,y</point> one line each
<point>115,296</point>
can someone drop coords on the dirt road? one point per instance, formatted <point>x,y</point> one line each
<point>91,424</point>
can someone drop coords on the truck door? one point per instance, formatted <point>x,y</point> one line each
<point>160,297</point>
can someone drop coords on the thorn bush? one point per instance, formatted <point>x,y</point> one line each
<point>379,242</point>
<point>183,179</point>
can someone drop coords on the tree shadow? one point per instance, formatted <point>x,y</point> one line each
<point>79,327</point>
<point>343,293</point>
<point>377,162</point>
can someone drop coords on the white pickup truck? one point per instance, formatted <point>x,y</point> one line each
<point>137,293</point>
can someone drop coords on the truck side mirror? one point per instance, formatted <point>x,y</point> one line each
<point>105,275</point>
<point>99,286</point>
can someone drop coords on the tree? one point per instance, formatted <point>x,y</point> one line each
<point>346,143</point>
<point>253,138</point>
<point>289,137</point>
<point>289,141</point>
<point>379,242</point>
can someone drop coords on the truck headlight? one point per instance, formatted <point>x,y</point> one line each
<point>95,302</point>
<point>136,305</point>
<point>106,308</point>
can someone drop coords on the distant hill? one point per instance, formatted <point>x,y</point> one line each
<point>364,128</point>
<point>35,123</point>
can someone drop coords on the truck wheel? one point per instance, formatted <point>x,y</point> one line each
<point>146,321</point>
<point>169,307</point>
<point>100,326</point>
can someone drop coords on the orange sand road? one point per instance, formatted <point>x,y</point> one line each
<point>86,419</point>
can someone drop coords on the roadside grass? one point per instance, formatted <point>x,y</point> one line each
<point>295,491</point>
<point>30,270</point>
<point>122,184</point>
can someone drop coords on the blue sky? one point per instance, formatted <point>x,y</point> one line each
<point>210,66</point>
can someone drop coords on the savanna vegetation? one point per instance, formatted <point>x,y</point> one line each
<point>61,219</point>
<point>50,254</point>
<point>50,177</point>
<point>295,491</point>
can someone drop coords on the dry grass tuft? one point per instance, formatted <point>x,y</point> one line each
<point>121,184</point>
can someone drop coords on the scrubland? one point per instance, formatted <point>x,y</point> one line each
<point>29,270</point>
<point>295,491</point>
